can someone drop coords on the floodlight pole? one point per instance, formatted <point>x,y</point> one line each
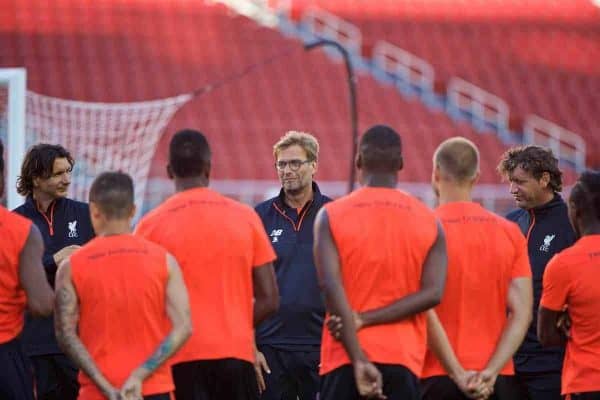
<point>353,107</point>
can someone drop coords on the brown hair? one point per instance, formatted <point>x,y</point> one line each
<point>38,163</point>
<point>535,160</point>
<point>305,140</point>
<point>457,157</point>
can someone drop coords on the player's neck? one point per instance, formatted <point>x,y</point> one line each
<point>115,227</point>
<point>454,195</point>
<point>545,198</point>
<point>42,200</point>
<point>299,200</point>
<point>590,228</point>
<point>183,184</point>
<point>379,180</point>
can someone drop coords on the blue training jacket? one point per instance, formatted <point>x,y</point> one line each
<point>299,322</point>
<point>67,222</point>
<point>548,232</point>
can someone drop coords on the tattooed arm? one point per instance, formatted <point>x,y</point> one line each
<point>65,324</point>
<point>178,310</point>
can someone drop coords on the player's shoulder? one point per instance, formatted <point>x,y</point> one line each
<point>265,206</point>
<point>570,255</point>
<point>14,223</point>
<point>150,246</point>
<point>559,265</point>
<point>21,210</point>
<point>74,207</point>
<point>342,202</point>
<point>510,229</point>
<point>77,204</point>
<point>516,214</point>
<point>242,210</point>
<point>150,218</point>
<point>508,224</point>
<point>159,212</point>
<point>417,203</point>
<point>13,216</point>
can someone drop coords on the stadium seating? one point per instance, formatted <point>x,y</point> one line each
<point>116,51</point>
<point>540,56</point>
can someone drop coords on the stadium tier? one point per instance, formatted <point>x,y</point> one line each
<point>540,56</point>
<point>113,51</point>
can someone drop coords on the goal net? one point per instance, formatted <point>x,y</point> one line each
<point>102,136</point>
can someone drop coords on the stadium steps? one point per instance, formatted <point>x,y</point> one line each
<point>113,51</point>
<point>539,56</point>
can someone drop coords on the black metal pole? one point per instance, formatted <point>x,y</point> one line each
<point>353,106</point>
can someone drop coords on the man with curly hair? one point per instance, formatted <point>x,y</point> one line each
<point>65,225</point>
<point>535,183</point>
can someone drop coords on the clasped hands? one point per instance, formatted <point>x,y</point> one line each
<point>477,385</point>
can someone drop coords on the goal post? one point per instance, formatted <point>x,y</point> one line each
<point>12,122</point>
<point>100,136</point>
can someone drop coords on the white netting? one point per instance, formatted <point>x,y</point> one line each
<point>102,136</point>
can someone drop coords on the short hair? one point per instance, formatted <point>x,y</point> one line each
<point>535,160</point>
<point>189,154</point>
<point>586,193</point>
<point>380,149</point>
<point>308,142</point>
<point>38,163</point>
<point>112,192</point>
<point>457,157</point>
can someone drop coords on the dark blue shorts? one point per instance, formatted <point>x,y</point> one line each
<point>16,382</point>
<point>221,379</point>
<point>294,374</point>
<point>443,388</point>
<point>399,383</point>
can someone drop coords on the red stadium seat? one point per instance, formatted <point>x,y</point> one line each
<point>115,51</point>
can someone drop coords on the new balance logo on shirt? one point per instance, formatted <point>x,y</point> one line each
<point>275,233</point>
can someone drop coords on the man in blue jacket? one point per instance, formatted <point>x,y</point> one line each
<point>535,183</point>
<point>289,342</point>
<point>65,225</point>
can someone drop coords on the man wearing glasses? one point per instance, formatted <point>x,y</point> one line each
<point>289,342</point>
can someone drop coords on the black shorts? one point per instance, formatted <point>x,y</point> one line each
<point>55,377</point>
<point>586,396</point>
<point>540,385</point>
<point>399,383</point>
<point>443,388</point>
<point>16,382</point>
<point>161,396</point>
<point>228,378</point>
<point>294,374</point>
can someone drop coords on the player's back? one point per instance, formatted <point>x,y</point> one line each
<point>571,278</point>
<point>485,252</point>
<point>217,242</point>
<point>121,285</point>
<point>383,237</point>
<point>14,231</point>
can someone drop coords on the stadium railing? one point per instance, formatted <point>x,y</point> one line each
<point>409,69</point>
<point>565,144</point>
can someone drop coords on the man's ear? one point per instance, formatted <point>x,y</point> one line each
<point>207,166</point>
<point>400,163</point>
<point>95,211</point>
<point>545,179</point>
<point>170,172</point>
<point>358,161</point>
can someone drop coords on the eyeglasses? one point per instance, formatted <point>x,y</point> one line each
<point>293,164</point>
